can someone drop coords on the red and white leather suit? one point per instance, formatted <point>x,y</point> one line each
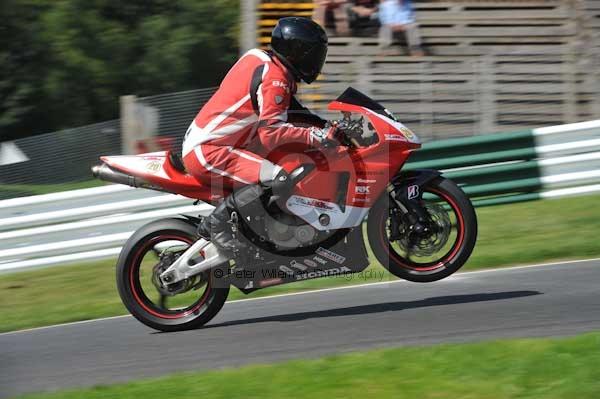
<point>228,140</point>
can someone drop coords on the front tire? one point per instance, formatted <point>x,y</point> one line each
<point>152,247</point>
<point>450,210</point>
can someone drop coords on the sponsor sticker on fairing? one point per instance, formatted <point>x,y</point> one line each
<point>413,192</point>
<point>323,273</point>
<point>395,137</point>
<point>337,258</point>
<point>269,282</point>
<point>363,189</point>
<point>407,133</point>
<point>154,166</point>
<point>297,266</point>
<point>312,203</point>
<point>320,260</point>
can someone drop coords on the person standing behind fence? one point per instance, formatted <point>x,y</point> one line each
<point>397,16</point>
<point>362,15</point>
<point>332,14</point>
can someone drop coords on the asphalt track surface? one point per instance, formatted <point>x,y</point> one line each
<point>551,300</point>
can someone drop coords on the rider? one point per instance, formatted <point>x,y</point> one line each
<point>248,117</point>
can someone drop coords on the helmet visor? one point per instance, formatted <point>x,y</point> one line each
<point>312,63</point>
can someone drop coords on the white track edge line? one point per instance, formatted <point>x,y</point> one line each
<point>459,274</point>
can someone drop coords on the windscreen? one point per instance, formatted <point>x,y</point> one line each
<point>355,97</point>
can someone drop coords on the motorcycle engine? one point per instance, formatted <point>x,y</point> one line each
<point>286,235</point>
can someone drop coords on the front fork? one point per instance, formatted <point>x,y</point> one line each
<point>416,216</point>
<point>406,192</point>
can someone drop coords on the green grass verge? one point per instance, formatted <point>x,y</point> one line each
<point>509,234</point>
<point>528,368</point>
<point>24,190</point>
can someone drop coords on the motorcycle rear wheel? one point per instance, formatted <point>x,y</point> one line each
<point>450,210</point>
<point>141,258</point>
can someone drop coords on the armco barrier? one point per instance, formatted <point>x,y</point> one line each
<point>79,225</point>
<point>94,223</point>
<point>519,166</point>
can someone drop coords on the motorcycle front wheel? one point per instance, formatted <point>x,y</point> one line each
<point>185,305</point>
<point>430,254</point>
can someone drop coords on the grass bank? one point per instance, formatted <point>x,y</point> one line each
<point>531,368</point>
<point>509,234</point>
<point>24,190</point>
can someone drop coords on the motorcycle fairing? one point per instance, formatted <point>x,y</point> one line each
<point>364,172</point>
<point>157,169</point>
<point>312,211</point>
<point>405,182</point>
<point>351,100</point>
<point>345,257</point>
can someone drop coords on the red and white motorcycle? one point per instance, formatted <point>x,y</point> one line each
<point>421,226</point>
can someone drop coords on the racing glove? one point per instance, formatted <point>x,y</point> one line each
<point>325,136</point>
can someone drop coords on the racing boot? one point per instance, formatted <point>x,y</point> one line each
<point>216,227</point>
<point>246,202</point>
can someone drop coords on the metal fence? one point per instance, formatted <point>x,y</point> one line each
<point>66,156</point>
<point>177,110</point>
<point>59,157</point>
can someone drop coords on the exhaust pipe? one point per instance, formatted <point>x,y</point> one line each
<point>106,173</point>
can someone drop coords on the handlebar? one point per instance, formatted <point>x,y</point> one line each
<point>349,131</point>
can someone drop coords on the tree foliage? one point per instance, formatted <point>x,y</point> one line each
<point>65,62</point>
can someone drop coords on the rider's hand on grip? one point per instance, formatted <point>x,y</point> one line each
<point>326,137</point>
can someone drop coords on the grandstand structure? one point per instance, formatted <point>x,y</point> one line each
<point>491,65</point>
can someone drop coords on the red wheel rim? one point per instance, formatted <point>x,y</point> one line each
<point>447,257</point>
<point>138,293</point>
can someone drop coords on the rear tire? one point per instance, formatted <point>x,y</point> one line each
<point>136,299</point>
<point>453,258</point>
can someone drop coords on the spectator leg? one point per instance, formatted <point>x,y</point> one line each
<point>386,37</point>
<point>413,39</point>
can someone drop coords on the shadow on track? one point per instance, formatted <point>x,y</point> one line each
<point>383,307</point>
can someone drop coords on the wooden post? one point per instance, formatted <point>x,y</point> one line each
<point>426,117</point>
<point>364,74</point>
<point>128,124</point>
<point>595,73</point>
<point>569,73</point>
<point>249,20</point>
<point>487,97</point>
<point>139,124</point>
<point>569,64</point>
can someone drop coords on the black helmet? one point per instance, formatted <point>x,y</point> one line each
<point>301,45</point>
